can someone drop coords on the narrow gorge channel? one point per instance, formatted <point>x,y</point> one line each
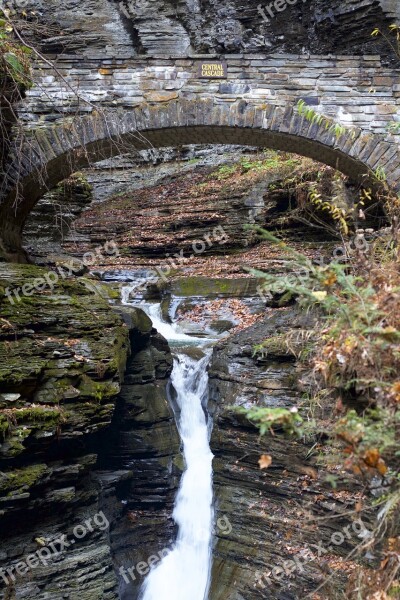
<point>185,571</point>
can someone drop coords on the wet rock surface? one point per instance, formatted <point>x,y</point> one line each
<point>144,440</point>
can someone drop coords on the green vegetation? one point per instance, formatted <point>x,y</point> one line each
<point>225,171</point>
<point>392,37</point>
<point>98,390</point>
<point>315,117</point>
<point>276,344</point>
<point>10,418</point>
<point>15,58</point>
<point>268,419</point>
<point>285,345</point>
<point>20,480</point>
<point>267,161</point>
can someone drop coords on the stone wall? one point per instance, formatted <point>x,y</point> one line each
<point>354,90</point>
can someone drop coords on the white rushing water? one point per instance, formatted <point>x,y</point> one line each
<point>169,330</point>
<point>184,573</point>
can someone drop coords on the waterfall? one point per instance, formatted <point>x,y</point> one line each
<point>153,310</point>
<point>184,574</point>
<point>168,330</point>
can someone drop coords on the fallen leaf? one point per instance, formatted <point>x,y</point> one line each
<point>265,461</point>
<point>41,541</point>
<point>310,471</point>
<point>384,562</point>
<point>359,506</point>
<point>330,280</point>
<point>371,457</point>
<point>381,466</point>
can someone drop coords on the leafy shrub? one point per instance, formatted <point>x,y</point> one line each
<point>268,419</point>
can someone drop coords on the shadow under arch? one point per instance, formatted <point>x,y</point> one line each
<point>49,155</point>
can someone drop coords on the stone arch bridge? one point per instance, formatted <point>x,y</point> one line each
<point>89,111</point>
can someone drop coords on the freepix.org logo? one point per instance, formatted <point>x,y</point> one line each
<point>273,7</point>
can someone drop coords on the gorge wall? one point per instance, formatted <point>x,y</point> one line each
<point>281,516</point>
<point>81,442</point>
<point>163,28</point>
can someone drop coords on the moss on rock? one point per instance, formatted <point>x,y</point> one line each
<point>62,354</point>
<point>21,480</point>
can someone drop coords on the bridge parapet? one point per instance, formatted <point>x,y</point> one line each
<point>353,90</point>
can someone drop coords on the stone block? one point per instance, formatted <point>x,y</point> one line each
<point>160,96</point>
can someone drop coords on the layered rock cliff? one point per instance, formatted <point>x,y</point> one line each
<point>88,457</point>
<point>174,208</point>
<point>162,28</point>
<point>283,518</point>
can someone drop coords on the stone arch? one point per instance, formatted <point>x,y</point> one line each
<point>50,154</point>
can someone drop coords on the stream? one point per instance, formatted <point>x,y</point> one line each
<point>185,571</point>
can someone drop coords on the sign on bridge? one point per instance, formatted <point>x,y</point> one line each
<point>213,70</point>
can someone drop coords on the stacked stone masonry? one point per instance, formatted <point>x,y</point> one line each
<point>351,89</point>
